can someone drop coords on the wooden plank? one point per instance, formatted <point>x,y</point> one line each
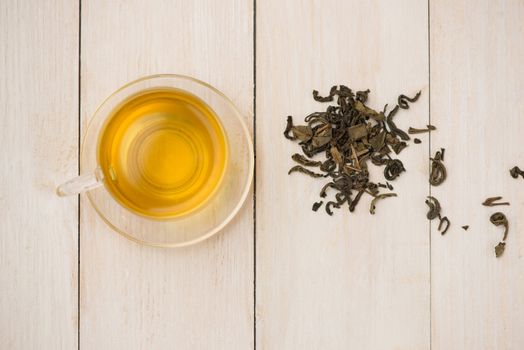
<point>476,102</point>
<point>135,297</point>
<point>352,279</point>
<point>39,142</point>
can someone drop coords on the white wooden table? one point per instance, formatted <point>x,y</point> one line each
<point>279,276</point>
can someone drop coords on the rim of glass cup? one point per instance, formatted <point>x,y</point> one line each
<point>245,192</point>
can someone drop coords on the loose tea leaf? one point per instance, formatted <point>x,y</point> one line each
<point>357,132</point>
<point>434,212</point>
<point>516,171</point>
<point>300,169</point>
<point>403,100</point>
<point>380,196</point>
<point>324,189</point>
<point>362,96</point>
<point>317,205</point>
<point>328,98</point>
<point>393,128</point>
<point>417,141</point>
<point>355,201</point>
<point>337,157</point>
<point>302,133</point>
<point>438,170</point>
<point>349,135</point>
<point>322,136</point>
<point>387,185</point>
<point>465,227</point>
<point>421,131</point>
<point>434,208</point>
<point>399,146</point>
<point>393,169</point>
<point>329,205</point>
<point>289,125</point>
<point>499,219</point>
<point>491,202</point>
<point>300,159</point>
<point>499,249</point>
<point>368,112</point>
<point>443,220</point>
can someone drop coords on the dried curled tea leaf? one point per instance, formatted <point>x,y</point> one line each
<point>492,202</point>
<point>393,128</point>
<point>362,96</point>
<point>499,249</point>
<point>317,205</point>
<point>330,205</point>
<point>438,170</point>
<point>372,206</point>
<point>328,166</point>
<point>421,131</point>
<point>328,98</point>
<point>379,160</point>
<point>516,171</point>
<point>499,219</point>
<point>434,212</point>
<point>324,189</point>
<point>308,150</point>
<point>442,221</point>
<point>387,185</point>
<point>344,91</point>
<point>341,198</point>
<point>301,169</point>
<point>465,227</point>
<point>393,169</point>
<point>355,201</point>
<point>417,141</point>
<point>300,159</point>
<point>403,100</point>
<point>434,208</point>
<point>289,125</point>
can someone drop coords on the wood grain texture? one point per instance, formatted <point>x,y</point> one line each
<point>39,143</point>
<point>477,81</point>
<point>135,297</point>
<point>351,280</point>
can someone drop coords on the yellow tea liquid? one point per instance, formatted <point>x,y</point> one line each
<point>163,153</point>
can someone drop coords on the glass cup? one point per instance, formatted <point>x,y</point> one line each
<point>196,226</point>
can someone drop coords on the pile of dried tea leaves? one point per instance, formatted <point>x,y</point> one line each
<point>340,143</point>
<point>350,135</point>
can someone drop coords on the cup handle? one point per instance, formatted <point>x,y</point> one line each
<point>81,183</point>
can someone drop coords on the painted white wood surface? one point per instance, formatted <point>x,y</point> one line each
<point>477,51</point>
<point>354,283</point>
<point>352,280</point>
<point>39,146</point>
<point>135,297</point>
